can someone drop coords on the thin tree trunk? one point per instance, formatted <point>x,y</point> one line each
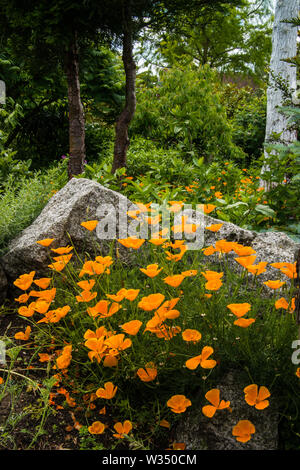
<point>76,114</point>
<point>123,122</point>
<point>284,46</point>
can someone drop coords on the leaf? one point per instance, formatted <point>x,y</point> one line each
<point>265,210</point>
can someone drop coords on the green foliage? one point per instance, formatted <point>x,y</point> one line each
<point>187,113</point>
<point>23,199</point>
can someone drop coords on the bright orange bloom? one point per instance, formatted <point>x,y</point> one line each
<point>54,316</point>
<point>157,241</point>
<point>178,403</point>
<point>257,398</point>
<point>90,224</point>
<point>131,327</point>
<point>105,260</point>
<point>23,336</point>
<point>92,268</point>
<point>223,246</point>
<point>122,429</point>
<point>210,250</point>
<point>243,430</point>
<point>147,374</point>
<point>239,309</point>
<point>62,250</point>
<point>103,309</point>
<point>40,306</point>
<point>46,295</point>
<point>26,311</point>
<point>257,269</point>
<point>297,372</point>
<point>24,281</point>
<point>286,268</point>
<point>213,396</point>
<point>213,284</point>
<point>96,346</point>
<point>191,272</point>
<point>242,250</point>
<point>244,322</point>
<point>246,261</point>
<point>202,360</point>
<point>214,227</point>
<point>151,270</point>
<point>1,380</point>
<point>175,280</point>
<point>86,285</point>
<point>64,359</point>
<point>208,208</point>
<point>97,428</point>
<point>281,303</point>
<point>107,392</point>
<point>60,262</point>
<point>22,298</point>
<point>117,343</point>
<point>46,241</point>
<point>132,242</point>
<point>43,283</point>
<point>211,275</point>
<point>191,335</point>
<point>86,296</point>
<point>274,284</point>
<point>151,302</point>
<point>44,357</point>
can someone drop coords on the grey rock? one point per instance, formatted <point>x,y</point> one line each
<point>199,432</point>
<point>79,200</point>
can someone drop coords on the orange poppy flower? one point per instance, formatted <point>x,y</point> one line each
<point>43,283</point>
<point>281,303</point>
<point>157,241</point>
<point>117,343</point>
<point>107,392</point>
<point>274,284</point>
<point>1,380</point>
<point>26,311</point>
<point>202,360</point>
<point>24,281</point>
<point>246,261</point>
<point>243,430</point>
<point>257,398</point>
<point>244,322</point>
<point>210,250</point>
<point>54,316</point>
<point>297,372</point>
<point>46,241</point>
<point>257,269</point>
<point>62,250</point>
<point>211,275</point>
<point>22,298</point>
<point>151,302</point>
<point>242,250</point>
<point>92,268</point>
<point>23,336</point>
<point>44,357</point>
<point>122,429</point>
<point>63,361</point>
<point>178,403</point>
<point>132,242</point>
<point>132,327</point>
<point>103,309</point>
<point>208,208</point>
<point>213,284</point>
<point>151,270</point>
<point>46,295</point>
<point>190,272</point>
<point>86,296</point>
<point>90,224</point>
<point>223,246</point>
<point>175,280</point>
<point>60,262</point>
<point>239,309</point>
<point>213,396</point>
<point>40,306</point>
<point>97,428</point>
<point>190,335</point>
<point>214,227</point>
<point>86,285</point>
<point>147,374</point>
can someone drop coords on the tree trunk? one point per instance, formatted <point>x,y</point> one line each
<point>123,122</point>
<point>76,114</point>
<point>284,46</point>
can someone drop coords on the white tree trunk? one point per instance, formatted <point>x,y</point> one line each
<point>284,46</point>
